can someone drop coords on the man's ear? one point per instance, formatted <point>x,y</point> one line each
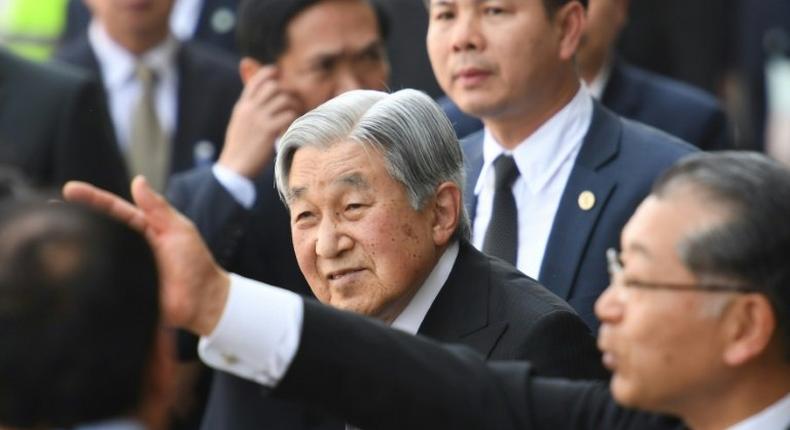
<point>247,68</point>
<point>750,327</point>
<point>447,212</point>
<point>570,21</point>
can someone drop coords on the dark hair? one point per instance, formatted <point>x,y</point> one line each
<point>752,246</point>
<point>79,310</point>
<point>552,6</point>
<point>263,26</point>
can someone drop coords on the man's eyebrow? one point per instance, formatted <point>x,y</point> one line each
<point>638,248</point>
<point>354,180</point>
<point>294,193</point>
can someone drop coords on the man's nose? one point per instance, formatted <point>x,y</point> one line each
<point>466,34</point>
<point>348,79</point>
<point>610,306</point>
<point>331,241</point>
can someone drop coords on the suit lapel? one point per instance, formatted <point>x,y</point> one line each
<point>573,225</point>
<point>187,104</point>
<point>460,312</point>
<point>473,160</point>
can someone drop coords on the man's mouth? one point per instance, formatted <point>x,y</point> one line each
<point>342,274</point>
<point>471,76</point>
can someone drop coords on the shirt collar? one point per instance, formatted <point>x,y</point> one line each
<point>541,154</point>
<point>414,313</point>
<point>117,64</point>
<point>776,416</point>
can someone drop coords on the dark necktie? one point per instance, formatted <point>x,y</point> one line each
<point>501,239</point>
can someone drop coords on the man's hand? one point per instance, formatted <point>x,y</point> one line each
<point>193,287</point>
<point>264,111</point>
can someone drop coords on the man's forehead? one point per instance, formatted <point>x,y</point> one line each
<point>340,165</point>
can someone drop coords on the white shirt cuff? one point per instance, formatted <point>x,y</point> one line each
<point>240,187</point>
<point>258,333</point>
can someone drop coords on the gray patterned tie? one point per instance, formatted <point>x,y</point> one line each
<point>501,237</point>
<point>149,149</point>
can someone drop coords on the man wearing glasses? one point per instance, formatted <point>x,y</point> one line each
<point>694,324</point>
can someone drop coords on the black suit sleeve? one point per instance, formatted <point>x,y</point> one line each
<point>86,149</point>
<point>379,378</point>
<point>559,344</point>
<point>219,218</point>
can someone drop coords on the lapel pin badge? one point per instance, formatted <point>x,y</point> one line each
<point>586,200</point>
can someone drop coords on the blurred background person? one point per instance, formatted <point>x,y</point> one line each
<point>169,101</point>
<point>212,22</point>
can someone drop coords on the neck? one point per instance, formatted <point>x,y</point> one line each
<point>591,67</point>
<point>747,395</point>
<point>511,130</point>
<point>138,44</point>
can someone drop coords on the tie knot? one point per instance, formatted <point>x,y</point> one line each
<point>506,171</point>
<point>144,73</point>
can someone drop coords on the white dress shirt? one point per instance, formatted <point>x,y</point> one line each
<point>124,90</point>
<point>260,328</point>
<point>544,160</point>
<point>774,417</point>
<point>184,18</point>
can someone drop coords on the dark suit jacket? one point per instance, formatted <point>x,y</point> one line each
<point>485,304</point>
<point>380,378</point>
<point>669,105</point>
<point>208,87</point>
<point>54,126</point>
<point>216,24</point>
<point>679,109</point>
<point>618,162</point>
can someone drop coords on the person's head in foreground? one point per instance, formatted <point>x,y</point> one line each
<point>695,322</point>
<point>374,184</point>
<point>79,320</point>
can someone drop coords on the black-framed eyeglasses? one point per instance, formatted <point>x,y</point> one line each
<point>616,267</point>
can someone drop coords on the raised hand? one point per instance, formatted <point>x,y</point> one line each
<point>193,287</point>
<point>264,111</point>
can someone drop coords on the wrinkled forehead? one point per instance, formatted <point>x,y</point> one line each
<point>343,164</point>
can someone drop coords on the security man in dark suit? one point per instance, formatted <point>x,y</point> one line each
<point>670,105</point>
<point>554,175</point>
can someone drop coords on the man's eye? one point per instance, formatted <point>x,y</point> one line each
<point>443,15</point>
<point>494,11</point>
<point>354,206</point>
<point>302,216</point>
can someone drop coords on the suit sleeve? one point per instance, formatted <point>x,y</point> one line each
<point>560,345</point>
<point>379,378</point>
<point>219,218</point>
<point>86,148</point>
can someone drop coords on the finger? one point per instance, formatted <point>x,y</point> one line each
<point>282,120</point>
<point>263,75</point>
<point>265,94</point>
<point>106,202</point>
<point>280,103</point>
<point>157,210</point>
